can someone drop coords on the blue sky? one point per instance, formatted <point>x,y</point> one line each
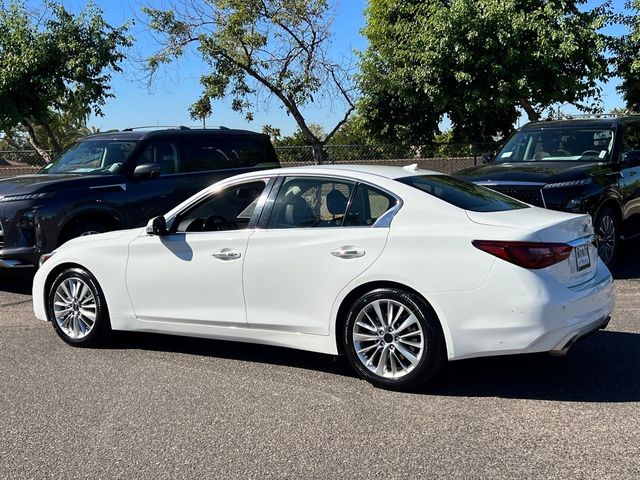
<point>168,100</point>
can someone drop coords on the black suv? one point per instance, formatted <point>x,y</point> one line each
<point>118,180</point>
<point>581,165</point>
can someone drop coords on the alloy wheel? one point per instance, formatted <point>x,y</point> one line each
<point>388,338</point>
<point>606,234</point>
<point>74,308</point>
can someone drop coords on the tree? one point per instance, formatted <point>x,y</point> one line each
<point>477,62</point>
<point>626,58</point>
<point>277,47</point>
<point>54,67</point>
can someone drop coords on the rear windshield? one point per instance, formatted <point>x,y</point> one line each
<point>462,194</point>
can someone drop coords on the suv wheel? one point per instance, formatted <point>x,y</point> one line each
<point>392,339</point>
<point>83,229</point>
<point>607,231</point>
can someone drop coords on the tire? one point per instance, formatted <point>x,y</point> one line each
<point>84,228</point>
<point>406,366</point>
<point>73,299</point>
<point>607,230</point>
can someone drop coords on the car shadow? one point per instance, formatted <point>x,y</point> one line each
<point>600,368</point>
<point>17,281</point>
<point>627,262</point>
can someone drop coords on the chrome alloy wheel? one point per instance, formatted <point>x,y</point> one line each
<point>388,338</point>
<point>74,308</point>
<point>606,235</point>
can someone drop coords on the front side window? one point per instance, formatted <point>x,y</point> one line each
<point>92,157</point>
<point>462,194</point>
<point>310,202</point>
<point>163,153</point>
<point>228,209</point>
<point>631,137</point>
<point>558,144</point>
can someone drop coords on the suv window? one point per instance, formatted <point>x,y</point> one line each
<point>310,202</point>
<point>570,143</point>
<point>218,152</point>
<point>163,153</point>
<point>92,157</point>
<point>367,206</point>
<point>228,209</point>
<point>466,195</point>
<point>631,137</point>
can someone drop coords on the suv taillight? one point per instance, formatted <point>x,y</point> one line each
<point>532,255</point>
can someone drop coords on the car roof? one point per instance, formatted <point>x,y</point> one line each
<point>140,134</point>
<point>353,170</point>
<point>605,121</point>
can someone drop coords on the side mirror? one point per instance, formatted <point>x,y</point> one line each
<point>157,226</point>
<point>632,157</point>
<point>147,170</point>
<point>487,157</point>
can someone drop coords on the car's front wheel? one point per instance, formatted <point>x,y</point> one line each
<point>393,340</point>
<point>607,232</point>
<point>77,308</point>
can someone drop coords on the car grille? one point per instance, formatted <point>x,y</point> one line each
<point>527,193</point>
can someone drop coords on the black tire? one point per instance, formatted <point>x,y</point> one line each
<point>429,362</point>
<point>101,326</point>
<point>607,230</point>
<point>84,228</point>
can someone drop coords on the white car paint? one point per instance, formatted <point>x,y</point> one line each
<point>286,288</point>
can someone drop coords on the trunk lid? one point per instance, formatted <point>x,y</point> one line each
<point>553,227</point>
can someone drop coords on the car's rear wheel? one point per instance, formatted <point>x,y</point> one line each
<point>77,308</point>
<point>607,232</point>
<point>393,340</point>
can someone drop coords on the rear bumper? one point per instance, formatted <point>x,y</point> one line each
<point>536,314</point>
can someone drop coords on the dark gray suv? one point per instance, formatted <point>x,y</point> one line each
<point>118,180</point>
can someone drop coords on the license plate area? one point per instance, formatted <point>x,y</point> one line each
<point>582,257</point>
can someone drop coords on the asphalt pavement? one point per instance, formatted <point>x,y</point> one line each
<point>162,407</point>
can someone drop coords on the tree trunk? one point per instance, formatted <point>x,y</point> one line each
<point>531,113</point>
<point>57,148</point>
<point>34,142</point>
<point>318,153</point>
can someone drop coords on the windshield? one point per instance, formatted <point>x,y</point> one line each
<point>462,194</point>
<point>103,157</point>
<point>569,144</point>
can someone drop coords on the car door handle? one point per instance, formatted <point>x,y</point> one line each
<point>227,254</point>
<point>348,251</point>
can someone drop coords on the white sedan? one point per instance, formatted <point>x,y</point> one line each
<point>400,269</point>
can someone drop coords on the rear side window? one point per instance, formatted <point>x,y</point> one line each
<point>220,152</point>
<point>462,194</point>
<point>304,202</point>
<point>367,206</point>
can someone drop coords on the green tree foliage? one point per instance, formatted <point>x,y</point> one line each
<point>277,47</point>
<point>477,62</point>
<point>626,58</point>
<point>54,67</point>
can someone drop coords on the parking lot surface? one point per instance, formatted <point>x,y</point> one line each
<point>151,406</point>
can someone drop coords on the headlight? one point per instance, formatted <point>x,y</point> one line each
<point>45,257</point>
<point>28,196</point>
<point>572,183</point>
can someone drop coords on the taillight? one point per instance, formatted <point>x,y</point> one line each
<point>532,255</point>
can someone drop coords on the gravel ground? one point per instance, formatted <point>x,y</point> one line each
<point>152,406</point>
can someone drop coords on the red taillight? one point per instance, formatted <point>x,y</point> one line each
<point>531,255</point>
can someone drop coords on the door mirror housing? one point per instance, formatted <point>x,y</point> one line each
<point>147,170</point>
<point>157,226</point>
<point>487,157</point>
<point>632,157</point>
